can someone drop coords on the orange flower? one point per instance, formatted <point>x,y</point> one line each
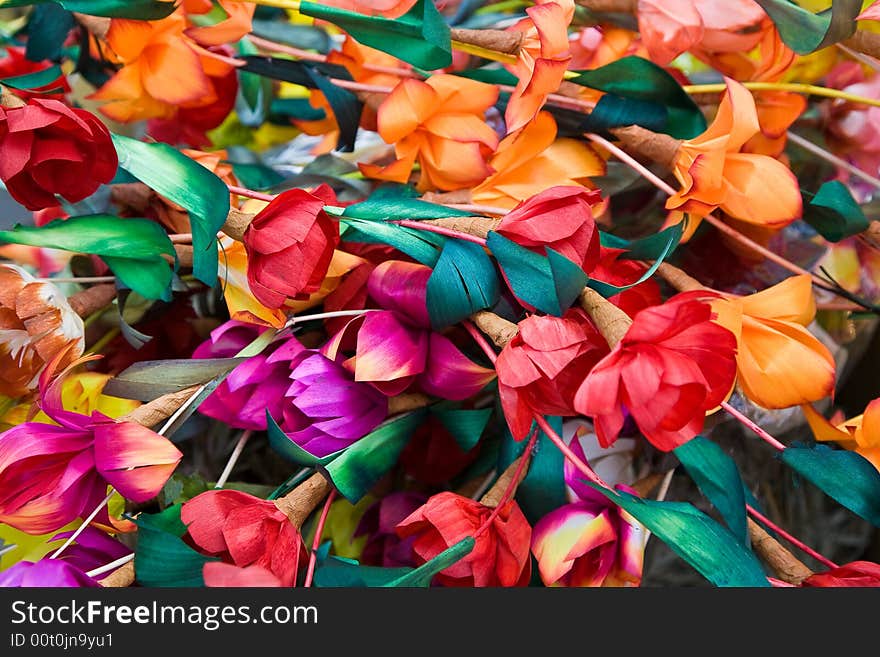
<point>543,59</point>
<point>779,362</point>
<point>36,324</point>
<point>353,56</point>
<point>242,305</point>
<point>860,434</point>
<point>438,122</point>
<point>597,46</point>
<point>713,173</point>
<point>164,68</point>
<point>531,160</point>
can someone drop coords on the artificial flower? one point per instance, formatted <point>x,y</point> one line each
<point>673,366</point>
<point>53,473</point>
<point>532,160</point>
<point>779,363</point>
<point>439,123</point>
<point>49,148</point>
<point>36,324</point>
<point>860,434</point>
<point>243,306</point>
<point>544,56</point>
<point>245,531</point>
<point>500,556</point>
<point>396,346</point>
<point>384,547</point>
<point>218,574</point>
<point>290,245</point>
<point>46,573</point>
<point>540,368</point>
<point>559,218</point>
<point>714,173</point>
<point>614,270</point>
<point>853,574</point>
<point>16,63</point>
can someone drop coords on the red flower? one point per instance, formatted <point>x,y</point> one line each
<point>614,271</point>
<point>854,574</point>
<point>673,365</point>
<point>49,148</point>
<point>289,246</point>
<point>244,530</point>
<point>540,369</point>
<point>501,554</point>
<point>560,218</point>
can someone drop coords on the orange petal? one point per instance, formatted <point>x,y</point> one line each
<point>822,428</point>
<point>173,73</point>
<point>760,190</point>
<point>230,30</point>
<point>781,364</point>
<point>668,27</point>
<point>128,38</point>
<point>457,94</point>
<point>791,300</point>
<point>869,436</point>
<point>529,96</point>
<point>551,21</point>
<point>405,109</point>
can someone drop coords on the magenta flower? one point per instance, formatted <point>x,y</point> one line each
<point>396,347</point>
<point>324,409</point>
<point>257,385</point>
<point>50,475</point>
<point>591,542</point>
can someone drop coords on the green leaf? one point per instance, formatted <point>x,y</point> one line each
<point>421,577</point>
<point>843,475</point>
<point>288,449</point>
<point>256,176</point>
<point>638,79</point>
<point>32,81</point>
<point>147,10</point>
<point>48,27</point>
<point>360,466</point>
<point>543,488</point>
<point>254,95</point>
<point>834,213</point>
<point>550,284</point>
<point>419,245</point>
<point>655,247</point>
<point>465,425</point>
<point>346,106</point>
<point>707,546</point>
<point>717,476</point>
<point>187,183</point>
<point>390,204</point>
<point>131,247</point>
<point>805,32</point>
<point>463,282</point>
<point>306,37</point>
<point>149,379</point>
<point>419,37</point>
<point>614,111</point>
<point>162,559</point>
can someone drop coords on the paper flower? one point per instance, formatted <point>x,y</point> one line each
<point>245,531</point>
<point>290,245</point>
<point>501,554</point>
<point>254,387</point>
<point>384,547</point>
<point>324,409</point>
<point>860,434</point>
<point>16,63</point>
<point>540,369</point>
<point>559,218</point>
<point>36,323</point>
<point>779,363</point>
<point>713,173</point>
<point>396,347</point>
<point>164,69</point>
<point>543,59</point>
<point>673,366</point>
<point>439,123</point>
<point>226,575</point>
<point>853,574</point>
<point>613,270</point>
<point>49,148</point>
<point>51,474</point>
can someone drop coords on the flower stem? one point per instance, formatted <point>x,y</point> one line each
<point>85,523</point>
<point>249,193</point>
<point>510,490</point>
<point>106,568</point>
<point>485,53</point>
<point>803,547</point>
<point>748,423</point>
<point>233,458</point>
<point>480,340</point>
<point>316,542</point>
<point>830,157</point>
<point>439,230</point>
<point>798,87</point>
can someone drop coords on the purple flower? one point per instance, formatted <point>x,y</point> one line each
<point>384,547</point>
<point>256,385</point>
<point>325,409</point>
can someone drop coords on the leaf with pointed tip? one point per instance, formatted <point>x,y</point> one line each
<point>145,10</point>
<point>805,32</point>
<point>463,282</point>
<point>149,379</point>
<point>161,558</point>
